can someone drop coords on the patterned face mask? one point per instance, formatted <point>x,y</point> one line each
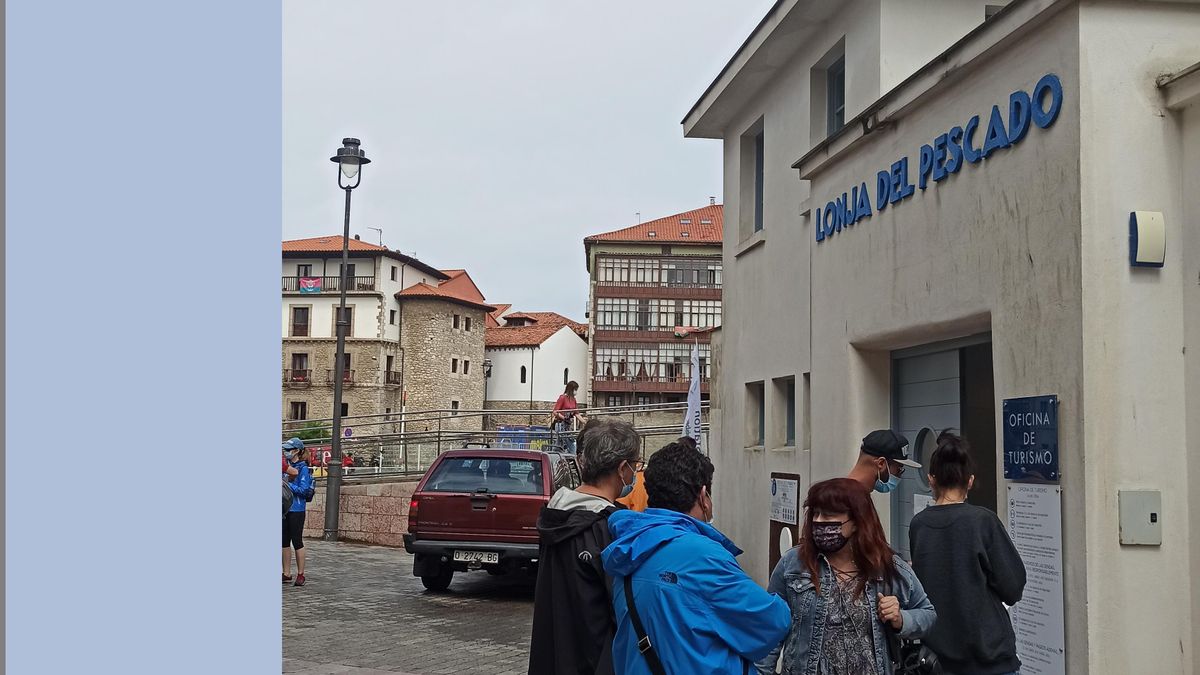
<point>828,537</point>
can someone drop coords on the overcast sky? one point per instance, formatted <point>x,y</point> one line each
<point>502,133</point>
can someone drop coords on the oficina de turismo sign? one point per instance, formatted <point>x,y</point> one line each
<point>948,153</point>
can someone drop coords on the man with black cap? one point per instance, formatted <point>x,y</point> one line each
<point>881,461</point>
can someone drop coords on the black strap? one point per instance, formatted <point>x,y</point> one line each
<point>643,644</point>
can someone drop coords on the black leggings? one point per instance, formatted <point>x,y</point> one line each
<point>293,530</point>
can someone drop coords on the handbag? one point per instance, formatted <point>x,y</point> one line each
<point>915,658</point>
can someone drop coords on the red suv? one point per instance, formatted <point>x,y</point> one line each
<point>478,508</point>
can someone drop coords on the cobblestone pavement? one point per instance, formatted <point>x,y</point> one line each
<point>362,612</point>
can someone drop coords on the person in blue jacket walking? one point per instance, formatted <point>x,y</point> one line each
<point>293,522</point>
<point>699,611</point>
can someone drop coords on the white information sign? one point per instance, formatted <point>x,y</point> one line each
<point>1035,525</point>
<point>783,500</point>
<point>921,502</point>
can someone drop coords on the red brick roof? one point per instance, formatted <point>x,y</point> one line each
<point>330,244</point>
<point>672,229</point>
<point>462,285</point>
<point>492,320</point>
<point>424,290</point>
<point>320,246</point>
<point>545,325</point>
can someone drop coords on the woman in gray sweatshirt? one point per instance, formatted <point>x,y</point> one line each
<point>970,568</point>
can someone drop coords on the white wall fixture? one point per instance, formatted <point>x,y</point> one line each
<point>1140,517</point>
<point>1147,239</point>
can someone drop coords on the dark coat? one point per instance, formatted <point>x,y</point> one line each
<point>573,620</point>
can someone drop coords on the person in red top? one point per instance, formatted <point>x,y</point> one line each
<point>347,462</point>
<point>564,414</point>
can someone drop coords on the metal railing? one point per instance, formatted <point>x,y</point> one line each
<point>297,376</point>
<point>399,444</point>
<point>292,284</point>
<point>331,375</point>
<point>661,284</point>
<point>393,377</point>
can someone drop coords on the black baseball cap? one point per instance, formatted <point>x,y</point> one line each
<point>889,445</point>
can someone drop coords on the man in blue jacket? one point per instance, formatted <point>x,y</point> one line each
<point>699,611</point>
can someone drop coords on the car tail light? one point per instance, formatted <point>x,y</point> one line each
<point>412,514</point>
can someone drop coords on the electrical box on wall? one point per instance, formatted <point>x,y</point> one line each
<point>1140,517</point>
<point>1147,239</point>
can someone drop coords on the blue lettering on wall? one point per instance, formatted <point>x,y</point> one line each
<point>945,156</point>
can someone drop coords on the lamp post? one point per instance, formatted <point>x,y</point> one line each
<point>487,375</point>
<point>350,160</point>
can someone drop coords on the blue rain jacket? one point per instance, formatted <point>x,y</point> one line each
<point>301,483</point>
<point>703,614</point>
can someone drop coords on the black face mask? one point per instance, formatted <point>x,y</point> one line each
<point>828,537</point>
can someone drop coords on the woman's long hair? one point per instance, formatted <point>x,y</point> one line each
<point>571,388</point>
<point>871,552</point>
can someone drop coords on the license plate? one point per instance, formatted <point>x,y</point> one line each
<point>476,556</point>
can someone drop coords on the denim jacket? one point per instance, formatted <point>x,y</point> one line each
<point>802,646</point>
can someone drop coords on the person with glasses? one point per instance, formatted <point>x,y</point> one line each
<point>848,592</point>
<point>573,622</point>
<point>881,461</point>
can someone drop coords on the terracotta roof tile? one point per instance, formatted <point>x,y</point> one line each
<point>701,226</point>
<point>423,290</point>
<point>545,325</point>
<point>492,320</point>
<point>330,244</point>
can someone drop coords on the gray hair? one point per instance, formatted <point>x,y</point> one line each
<point>604,444</point>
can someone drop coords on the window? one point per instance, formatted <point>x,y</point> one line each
<point>453,407</point>
<point>455,321</point>
<point>566,376</point>
<point>783,413</point>
<point>454,365</point>
<point>346,361</point>
<point>756,413</point>
<point>349,321</point>
<point>304,270</point>
<point>643,399</point>
<point>615,400</point>
<point>758,181</point>
<point>466,367</point>
<point>300,321</point>
<point>345,410</point>
<point>391,360</point>
<point>835,95</point>
<point>299,365</point>
<point>486,474</point>
<point>299,410</point>
<point>467,323</point>
<point>522,374</point>
<point>392,317</point>
<point>394,270</point>
<point>349,274</point>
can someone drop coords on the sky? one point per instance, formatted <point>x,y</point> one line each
<point>502,133</point>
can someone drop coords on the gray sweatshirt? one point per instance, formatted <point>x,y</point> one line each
<point>968,566</point>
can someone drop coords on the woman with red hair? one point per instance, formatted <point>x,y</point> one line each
<point>848,592</point>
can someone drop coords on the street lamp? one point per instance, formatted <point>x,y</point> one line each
<point>487,375</point>
<point>350,160</point>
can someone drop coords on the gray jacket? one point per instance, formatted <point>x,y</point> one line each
<point>802,646</point>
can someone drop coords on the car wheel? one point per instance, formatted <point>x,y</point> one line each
<point>440,581</point>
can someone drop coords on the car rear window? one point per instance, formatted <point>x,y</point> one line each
<point>499,476</point>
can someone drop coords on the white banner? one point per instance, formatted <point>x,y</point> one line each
<point>691,421</point>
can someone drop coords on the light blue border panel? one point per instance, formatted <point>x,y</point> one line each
<point>143,227</point>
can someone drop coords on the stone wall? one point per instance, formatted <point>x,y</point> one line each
<point>367,395</point>
<point>540,413</point>
<point>430,342</point>
<point>370,514</point>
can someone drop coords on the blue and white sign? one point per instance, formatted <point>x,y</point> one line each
<point>945,156</point>
<point>1031,438</point>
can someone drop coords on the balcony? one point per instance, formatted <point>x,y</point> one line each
<point>660,284</point>
<point>646,383</point>
<point>347,376</point>
<point>393,377</point>
<point>325,284</point>
<point>295,377</point>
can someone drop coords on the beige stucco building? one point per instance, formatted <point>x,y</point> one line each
<point>889,262</point>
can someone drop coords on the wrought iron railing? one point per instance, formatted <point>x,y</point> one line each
<point>326,284</point>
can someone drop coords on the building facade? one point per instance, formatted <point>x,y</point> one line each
<point>530,358</point>
<point>648,284</point>
<point>931,207</point>
<point>416,338</point>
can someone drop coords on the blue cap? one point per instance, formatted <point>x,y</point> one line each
<point>293,444</point>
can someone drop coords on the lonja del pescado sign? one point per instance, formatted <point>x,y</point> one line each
<point>948,153</point>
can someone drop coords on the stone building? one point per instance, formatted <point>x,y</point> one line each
<point>531,356</point>
<point>415,340</point>
<point>646,282</point>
